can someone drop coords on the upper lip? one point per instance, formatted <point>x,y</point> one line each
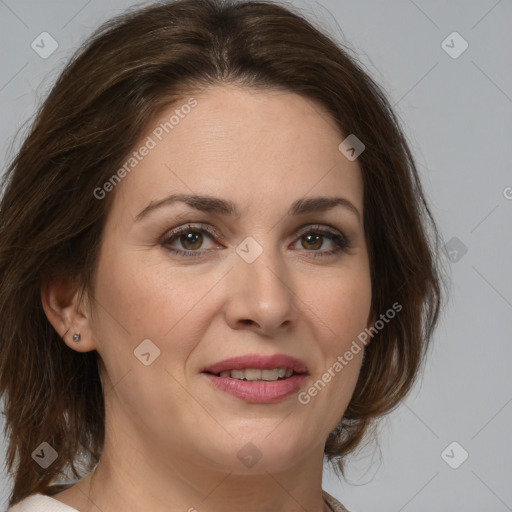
<point>257,361</point>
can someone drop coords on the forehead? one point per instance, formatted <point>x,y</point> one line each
<point>259,148</point>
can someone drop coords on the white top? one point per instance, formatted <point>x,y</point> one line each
<point>43,503</point>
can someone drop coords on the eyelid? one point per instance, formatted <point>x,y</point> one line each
<point>191,226</point>
<point>305,228</point>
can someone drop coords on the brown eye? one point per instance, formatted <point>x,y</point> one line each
<point>192,240</point>
<point>314,238</point>
<point>312,241</point>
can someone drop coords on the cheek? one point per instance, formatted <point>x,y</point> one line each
<point>340,307</point>
<point>137,300</point>
<point>140,298</point>
<point>341,303</point>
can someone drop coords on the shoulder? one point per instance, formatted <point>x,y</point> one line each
<point>40,503</point>
<point>333,503</point>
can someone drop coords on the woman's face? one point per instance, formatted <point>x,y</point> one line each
<point>257,270</point>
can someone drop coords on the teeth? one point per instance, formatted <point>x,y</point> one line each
<point>271,374</point>
<point>253,374</point>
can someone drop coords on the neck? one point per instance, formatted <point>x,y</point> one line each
<point>134,474</point>
<point>149,485</point>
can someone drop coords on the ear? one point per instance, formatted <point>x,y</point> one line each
<point>60,300</point>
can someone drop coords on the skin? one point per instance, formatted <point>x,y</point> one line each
<point>171,437</point>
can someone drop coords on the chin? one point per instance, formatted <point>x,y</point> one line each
<point>264,450</point>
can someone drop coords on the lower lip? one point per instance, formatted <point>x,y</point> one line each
<point>258,391</point>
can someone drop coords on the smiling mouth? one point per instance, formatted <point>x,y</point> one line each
<point>258,379</point>
<point>258,374</point>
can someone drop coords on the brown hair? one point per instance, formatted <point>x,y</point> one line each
<point>51,222</point>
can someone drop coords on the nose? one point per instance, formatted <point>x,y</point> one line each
<point>260,295</point>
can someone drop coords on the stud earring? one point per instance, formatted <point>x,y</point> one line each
<point>76,337</point>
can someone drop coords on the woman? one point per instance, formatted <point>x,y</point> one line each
<point>217,267</point>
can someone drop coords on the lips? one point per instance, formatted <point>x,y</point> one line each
<point>222,376</point>
<point>257,361</point>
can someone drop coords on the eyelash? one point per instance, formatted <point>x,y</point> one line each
<point>341,241</point>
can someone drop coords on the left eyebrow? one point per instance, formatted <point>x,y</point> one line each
<point>320,204</point>
<point>219,206</point>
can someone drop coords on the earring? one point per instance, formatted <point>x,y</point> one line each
<point>76,337</point>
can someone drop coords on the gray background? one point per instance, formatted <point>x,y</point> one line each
<point>457,113</point>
